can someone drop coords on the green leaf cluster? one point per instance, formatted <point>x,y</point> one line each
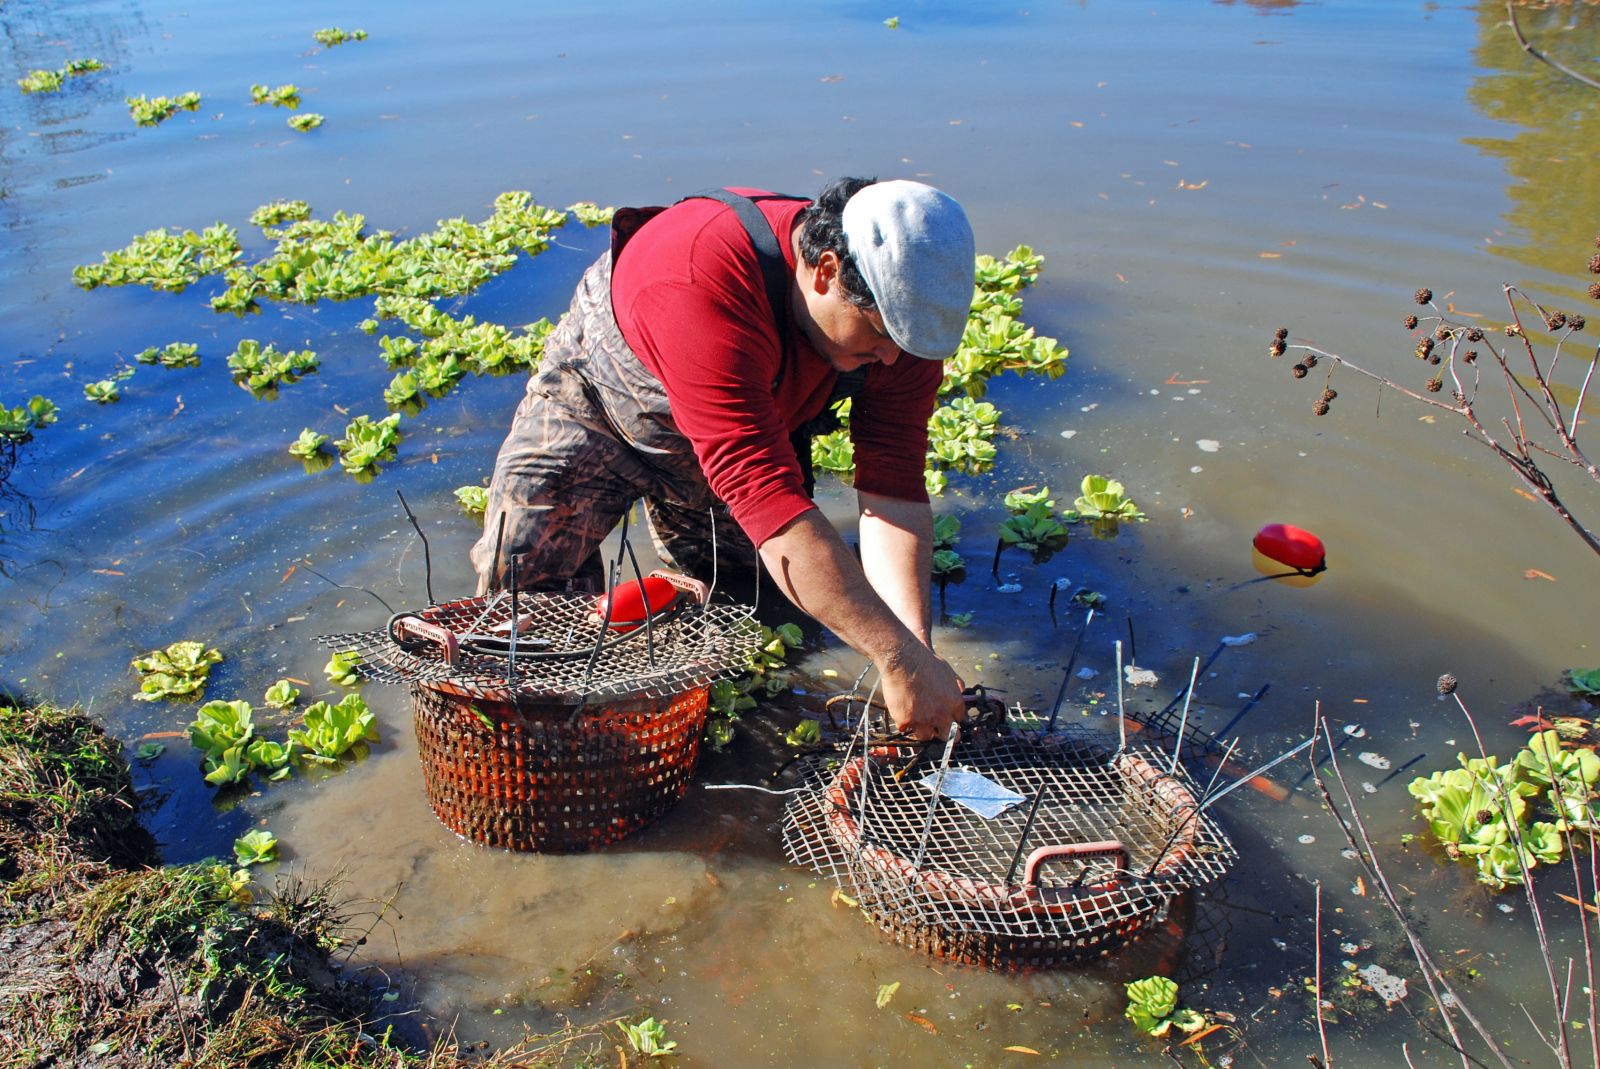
<point>282,695</point>
<point>729,699</point>
<point>309,445</point>
<point>649,1037</point>
<point>806,733</point>
<point>103,392</point>
<point>342,668</point>
<point>257,847</point>
<point>591,214</point>
<point>1584,681</point>
<point>179,671</point>
<point>946,561</point>
<point>333,35</point>
<point>284,96</point>
<point>474,500</point>
<point>1153,1008</point>
<point>961,436</point>
<point>365,443</point>
<point>173,355</point>
<point>1032,524</point>
<point>224,732</point>
<point>153,111</point>
<point>43,81</point>
<point>1489,813</point>
<point>167,260</point>
<point>305,122</point>
<point>331,731</point>
<point>277,212</point>
<point>1101,498</point>
<point>18,422</point>
<point>261,369</point>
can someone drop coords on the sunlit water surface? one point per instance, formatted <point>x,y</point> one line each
<point>1195,174</point>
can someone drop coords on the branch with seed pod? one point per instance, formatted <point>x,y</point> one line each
<point>1539,426</point>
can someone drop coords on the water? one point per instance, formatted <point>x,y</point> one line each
<point>1196,175</point>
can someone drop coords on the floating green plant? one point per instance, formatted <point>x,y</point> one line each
<point>173,355</point>
<point>649,1037</point>
<point>331,731</point>
<point>1153,1008</point>
<point>103,392</point>
<point>308,445</point>
<point>284,96</point>
<point>1102,498</point>
<point>256,847</point>
<point>282,695</point>
<point>168,260</point>
<point>18,422</point>
<point>179,671</point>
<point>474,500</point>
<point>43,81</point>
<point>152,111</point>
<point>365,443</point>
<point>1584,681</point>
<point>307,121</point>
<point>280,211</point>
<point>806,733</point>
<point>1033,524</point>
<point>333,35</point>
<point>261,369</point>
<point>342,668</point>
<point>590,214</point>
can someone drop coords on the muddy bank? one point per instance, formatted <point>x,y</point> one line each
<point>110,959</point>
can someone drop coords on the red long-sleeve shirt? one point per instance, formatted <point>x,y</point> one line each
<point>691,302</point>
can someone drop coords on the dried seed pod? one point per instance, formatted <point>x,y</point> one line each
<point>1442,333</point>
<point>1555,320</point>
<point>1411,322</point>
<point>1424,347</point>
<point>1435,384</point>
<point>1474,334</point>
<point>1299,371</point>
<point>1447,684</point>
<point>1435,359</point>
<point>1277,349</point>
<point>1320,408</point>
<point>1424,295</point>
<point>1576,321</point>
<point>1512,330</point>
<point>1309,360</point>
<point>1594,264</point>
<point>1329,394</point>
<point>1470,356</point>
<point>1594,291</point>
<point>1283,334</point>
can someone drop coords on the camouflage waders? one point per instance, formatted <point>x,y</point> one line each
<point>593,435</point>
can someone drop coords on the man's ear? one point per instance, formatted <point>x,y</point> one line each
<point>825,272</point>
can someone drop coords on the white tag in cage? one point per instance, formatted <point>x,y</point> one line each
<point>977,792</point>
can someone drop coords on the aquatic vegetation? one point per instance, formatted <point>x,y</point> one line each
<point>1488,812</point>
<point>261,368</point>
<point>649,1037</point>
<point>166,260</point>
<point>307,121</point>
<point>590,214</point>
<point>18,422</point>
<point>280,211</point>
<point>179,671</point>
<point>1153,1007</point>
<point>331,731</point>
<point>365,443</point>
<point>1101,498</point>
<point>473,499</point>
<point>103,392</point>
<point>1584,681</point>
<point>806,733</point>
<point>309,445</point>
<point>284,96</point>
<point>223,732</point>
<point>1033,524</point>
<point>256,847</point>
<point>152,111</point>
<point>333,35</point>
<point>282,695</point>
<point>342,668</point>
<point>43,81</point>
<point>173,355</point>
<point>961,436</point>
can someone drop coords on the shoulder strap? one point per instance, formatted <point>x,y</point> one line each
<point>769,254</point>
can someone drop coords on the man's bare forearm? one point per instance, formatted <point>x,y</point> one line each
<point>896,554</point>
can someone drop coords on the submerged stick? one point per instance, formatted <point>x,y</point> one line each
<point>1122,713</point>
<point>1067,676</point>
<point>427,557</point>
<point>1183,721</point>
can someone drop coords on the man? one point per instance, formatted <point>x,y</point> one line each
<point>693,360</point>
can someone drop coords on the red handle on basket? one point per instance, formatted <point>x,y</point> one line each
<point>410,628</point>
<point>1075,851</point>
<point>632,602</point>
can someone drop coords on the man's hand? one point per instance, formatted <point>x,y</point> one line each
<point>922,691</point>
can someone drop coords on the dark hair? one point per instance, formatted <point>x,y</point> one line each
<point>822,230</point>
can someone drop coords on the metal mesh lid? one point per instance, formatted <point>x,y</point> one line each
<point>561,653</point>
<point>1109,837</point>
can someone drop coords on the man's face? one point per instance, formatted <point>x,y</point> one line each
<point>847,336</point>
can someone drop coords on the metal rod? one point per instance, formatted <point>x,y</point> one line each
<point>1269,766</point>
<point>1067,676</point>
<point>644,595</point>
<point>994,569</point>
<point>1027,827</point>
<point>938,785</point>
<point>866,753</point>
<point>1133,647</point>
<point>511,655</point>
<point>1122,714</point>
<point>1183,721</point>
<point>1218,770</point>
<point>599,642</point>
<point>499,540</point>
<point>427,558</point>
<point>711,591</point>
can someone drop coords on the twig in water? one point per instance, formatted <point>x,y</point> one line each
<point>306,564</point>
<point>1511,13</point>
<point>1322,1031</point>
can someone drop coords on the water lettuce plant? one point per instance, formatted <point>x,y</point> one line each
<point>103,392</point>
<point>284,96</point>
<point>282,695</point>
<point>1585,681</point>
<point>473,499</point>
<point>331,731</point>
<point>223,732</point>
<point>591,214</point>
<point>179,671</point>
<point>333,35</point>
<point>1032,524</point>
<point>279,211</point>
<point>260,369</point>
<point>256,847</point>
<point>309,445</point>
<point>342,668</point>
<point>172,355</point>
<point>1100,498</point>
<point>167,260</point>
<point>18,422</point>
<point>1490,813</point>
<point>43,81</point>
<point>152,111</point>
<point>1153,1007</point>
<point>365,443</point>
<point>806,733</point>
<point>649,1037</point>
<point>308,121</point>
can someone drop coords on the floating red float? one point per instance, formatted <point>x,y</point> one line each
<point>629,602</point>
<point>1292,547</point>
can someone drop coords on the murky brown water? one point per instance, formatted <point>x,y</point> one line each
<point>1196,176</point>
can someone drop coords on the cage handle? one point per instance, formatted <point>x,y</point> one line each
<point>408,630</point>
<point>1075,852</point>
<point>689,585</point>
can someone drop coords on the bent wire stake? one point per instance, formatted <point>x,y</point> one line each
<point>1067,676</point>
<point>1122,716</point>
<point>427,557</point>
<point>1269,766</point>
<point>1183,721</point>
<point>933,805</point>
<point>511,656</point>
<point>1027,828</point>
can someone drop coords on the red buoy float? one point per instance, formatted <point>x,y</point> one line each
<point>631,602</point>
<point>1292,547</point>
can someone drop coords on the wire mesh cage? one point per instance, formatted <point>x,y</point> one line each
<point>546,725</point>
<point>1090,853</point>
